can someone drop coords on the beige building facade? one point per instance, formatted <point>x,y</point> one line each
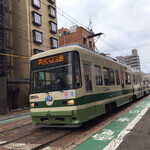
<point>33,29</point>
<point>131,60</point>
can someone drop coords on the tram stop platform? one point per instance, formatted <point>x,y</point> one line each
<point>131,131</point>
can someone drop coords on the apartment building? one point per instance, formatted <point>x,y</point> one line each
<point>76,35</point>
<point>28,27</point>
<point>131,60</point>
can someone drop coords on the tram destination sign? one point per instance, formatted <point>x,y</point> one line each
<point>50,61</point>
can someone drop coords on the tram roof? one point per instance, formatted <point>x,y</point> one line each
<point>72,47</point>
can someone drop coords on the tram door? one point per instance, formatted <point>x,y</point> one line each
<point>89,92</point>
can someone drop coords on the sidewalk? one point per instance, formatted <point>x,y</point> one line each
<point>15,114</point>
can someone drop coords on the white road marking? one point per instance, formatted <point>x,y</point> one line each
<point>117,141</point>
<point>123,119</point>
<point>104,136</point>
<point>3,142</point>
<point>134,111</point>
<point>47,148</point>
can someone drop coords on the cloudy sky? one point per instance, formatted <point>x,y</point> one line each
<point>126,24</point>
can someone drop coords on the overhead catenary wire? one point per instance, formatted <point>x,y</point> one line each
<point>135,46</point>
<point>63,13</point>
<point>110,45</point>
<point>17,56</point>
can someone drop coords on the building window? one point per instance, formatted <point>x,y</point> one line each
<point>90,44</point>
<point>36,18</point>
<point>53,27</point>
<point>36,51</point>
<point>98,75</point>
<point>36,4</point>
<point>37,36</point>
<point>52,11</point>
<point>84,42</point>
<point>54,42</point>
<point>52,1</point>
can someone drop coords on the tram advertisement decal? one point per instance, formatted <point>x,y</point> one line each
<point>49,100</point>
<point>69,94</point>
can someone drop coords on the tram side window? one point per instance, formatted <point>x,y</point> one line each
<point>117,77</point>
<point>127,78</point>
<point>87,76</point>
<point>137,79</point>
<point>112,79</point>
<point>122,78</point>
<point>98,75</point>
<point>77,71</point>
<point>134,82</point>
<point>144,81</point>
<point>108,76</point>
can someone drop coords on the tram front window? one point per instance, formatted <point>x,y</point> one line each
<point>56,77</point>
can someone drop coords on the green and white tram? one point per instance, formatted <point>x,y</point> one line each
<point>72,84</point>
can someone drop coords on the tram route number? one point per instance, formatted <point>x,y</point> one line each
<point>34,97</point>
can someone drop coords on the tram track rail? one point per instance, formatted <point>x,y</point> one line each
<point>15,128</point>
<point>50,142</point>
<point>35,142</point>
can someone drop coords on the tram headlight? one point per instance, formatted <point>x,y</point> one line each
<point>71,102</point>
<point>32,105</point>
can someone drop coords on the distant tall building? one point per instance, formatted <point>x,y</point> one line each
<point>131,60</point>
<point>27,27</point>
<point>76,35</point>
